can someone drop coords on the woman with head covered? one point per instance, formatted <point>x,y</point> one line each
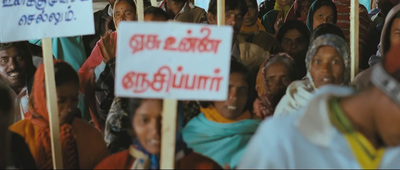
<point>81,145</point>
<point>273,78</point>
<point>327,62</point>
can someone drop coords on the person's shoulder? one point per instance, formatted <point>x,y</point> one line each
<point>114,161</point>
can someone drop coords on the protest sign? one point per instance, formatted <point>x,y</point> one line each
<point>34,19</point>
<point>183,61</point>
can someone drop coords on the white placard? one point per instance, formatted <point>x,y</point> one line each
<point>35,19</point>
<point>173,60</point>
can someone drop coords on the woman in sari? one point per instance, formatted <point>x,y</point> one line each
<point>82,146</point>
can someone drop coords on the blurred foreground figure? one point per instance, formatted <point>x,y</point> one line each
<point>339,128</point>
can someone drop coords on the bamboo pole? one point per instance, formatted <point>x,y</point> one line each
<point>140,10</point>
<point>52,107</point>
<point>354,37</point>
<point>168,134</point>
<point>221,12</point>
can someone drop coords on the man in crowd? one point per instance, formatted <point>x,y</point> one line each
<point>16,72</point>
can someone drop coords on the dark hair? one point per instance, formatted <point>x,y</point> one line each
<point>229,5</point>
<point>64,73</point>
<point>156,11</point>
<point>290,25</point>
<point>326,28</point>
<point>250,76</point>
<point>254,3</point>
<point>23,50</point>
<point>130,105</point>
<point>315,6</point>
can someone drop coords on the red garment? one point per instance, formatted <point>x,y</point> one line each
<point>39,117</point>
<point>120,160</point>
<point>123,160</point>
<point>87,80</point>
<point>343,21</point>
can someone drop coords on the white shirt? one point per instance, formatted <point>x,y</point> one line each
<point>20,104</point>
<point>307,139</point>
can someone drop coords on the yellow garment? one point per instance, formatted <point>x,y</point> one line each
<point>211,113</point>
<point>28,131</point>
<point>367,156</point>
<point>285,8</point>
<point>254,28</point>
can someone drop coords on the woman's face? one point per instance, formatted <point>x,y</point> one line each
<point>124,12</point>
<point>304,7</point>
<point>294,43</point>
<point>285,2</point>
<point>395,32</point>
<point>251,16</point>
<point>67,100</point>
<point>278,77</point>
<point>235,104</point>
<point>327,67</point>
<point>323,15</point>
<point>146,124</point>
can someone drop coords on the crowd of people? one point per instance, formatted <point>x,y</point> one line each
<point>291,102</point>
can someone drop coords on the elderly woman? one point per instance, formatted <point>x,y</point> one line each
<point>103,58</point>
<point>82,146</point>
<point>273,78</point>
<point>328,62</point>
<point>321,11</point>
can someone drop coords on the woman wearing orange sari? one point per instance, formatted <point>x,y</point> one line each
<point>82,146</point>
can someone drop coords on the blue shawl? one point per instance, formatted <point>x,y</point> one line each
<point>222,142</point>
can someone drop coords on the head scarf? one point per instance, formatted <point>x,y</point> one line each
<point>385,35</point>
<point>336,42</point>
<point>315,6</point>
<point>386,75</point>
<point>39,117</point>
<point>285,8</point>
<point>131,2</point>
<point>262,88</point>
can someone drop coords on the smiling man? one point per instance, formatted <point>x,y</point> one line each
<point>16,71</point>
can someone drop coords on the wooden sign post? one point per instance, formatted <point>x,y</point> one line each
<point>354,38</point>
<point>221,12</point>
<point>140,10</point>
<point>52,107</point>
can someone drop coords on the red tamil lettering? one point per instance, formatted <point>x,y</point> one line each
<point>136,43</point>
<point>169,42</point>
<point>187,85</point>
<point>127,81</point>
<point>159,79</point>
